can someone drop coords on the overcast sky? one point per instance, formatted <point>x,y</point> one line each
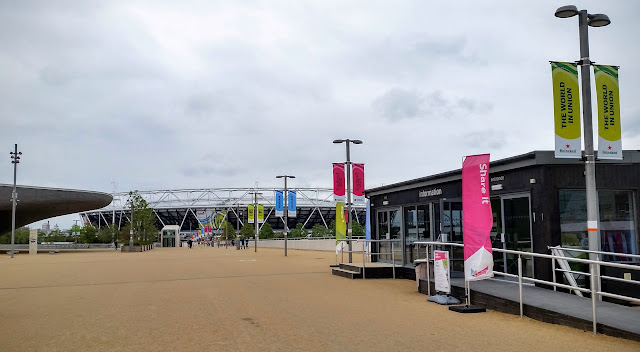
<point>195,94</point>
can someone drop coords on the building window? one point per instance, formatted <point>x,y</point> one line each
<point>617,222</point>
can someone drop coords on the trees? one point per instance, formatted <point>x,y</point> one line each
<point>320,231</point>
<point>75,230</point>
<point>299,231</point>
<point>228,232</point>
<point>88,234</point>
<point>143,219</point>
<point>358,230</point>
<point>247,230</point>
<point>21,236</point>
<point>108,234</point>
<point>266,231</point>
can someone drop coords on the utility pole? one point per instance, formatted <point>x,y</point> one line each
<point>286,211</point>
<point>255,217</point>
<point>131,228</point>
<point>15,155</point>
<point>348,172</point>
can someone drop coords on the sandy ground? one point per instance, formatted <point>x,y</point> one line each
<point>216,299</point>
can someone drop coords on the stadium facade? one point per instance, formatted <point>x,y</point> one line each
<point>189,208</point>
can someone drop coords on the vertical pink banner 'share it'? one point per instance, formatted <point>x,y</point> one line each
<point>477,219</point>
<point>358,183</point>
<point>338,182</point>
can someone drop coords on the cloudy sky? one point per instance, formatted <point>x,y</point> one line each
<point>194,94</point>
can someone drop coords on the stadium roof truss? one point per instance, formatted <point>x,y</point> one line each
<point>179,207</point>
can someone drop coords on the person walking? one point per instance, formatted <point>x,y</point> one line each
<point>190,243</point>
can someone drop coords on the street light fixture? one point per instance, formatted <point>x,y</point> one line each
<point>596,20</point>
<point>15,155</point>
<point>286,210</point>
<point>348,172</point>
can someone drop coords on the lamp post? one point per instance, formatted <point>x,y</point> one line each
<point>348,172</point>
<point>597,20</point>
<point>15,155</point>
<point>131,228</point>
<point>286,210</point>
<point>237,225</point>
<point>255,218</point>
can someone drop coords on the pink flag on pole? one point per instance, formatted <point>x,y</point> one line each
<point>358,182</point>
<point>477,219</point>
<point>338,182</point>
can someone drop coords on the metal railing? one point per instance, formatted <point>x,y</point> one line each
<point>593,268</point>
<point>599,255</point>
<point>60,246</point>
<point>364,252</point>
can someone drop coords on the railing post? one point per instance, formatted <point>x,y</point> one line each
<point>553,268</point>
<point>428,273</point>
<point>363,262</point>
<point>599,280</point>
<point>593,298</point>
<point>520,283</point>
<point>393,260</point>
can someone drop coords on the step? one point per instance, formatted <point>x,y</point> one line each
<point>350,267</point>
<point>350,274</point>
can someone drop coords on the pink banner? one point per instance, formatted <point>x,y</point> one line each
<point>358,182</point>
<point>477,219</point>
<point>338,182</point>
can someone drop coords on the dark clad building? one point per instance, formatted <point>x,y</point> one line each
<point>537,201</point>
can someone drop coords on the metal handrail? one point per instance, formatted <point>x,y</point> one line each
<point>364,253</point>
<point>595,252</point>
<point>593,269</point>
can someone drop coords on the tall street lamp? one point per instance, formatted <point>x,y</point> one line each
<point>286,210</point>
<point>15,156</point>
<point>348,171</point>
<point>596,20</point>
<point>255,218</point>
<point>131,228</point>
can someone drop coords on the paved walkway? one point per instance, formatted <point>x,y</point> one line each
<point>608,314</point>
<point>217,299</point>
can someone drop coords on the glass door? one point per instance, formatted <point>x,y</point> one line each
<point>395,230</point>
<point>410,233</point>
<point>451,217</point>
<point>389,228</point>
<point>383,234</point>
<point>516,221</point>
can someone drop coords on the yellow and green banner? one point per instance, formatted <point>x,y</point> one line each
<point>566,109</point>
<point>251,213</point>
<point>341,227</point>
<point>609,133</point>
<point>260,213</point>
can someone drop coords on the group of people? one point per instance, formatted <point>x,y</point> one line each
<point>244,243</point>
